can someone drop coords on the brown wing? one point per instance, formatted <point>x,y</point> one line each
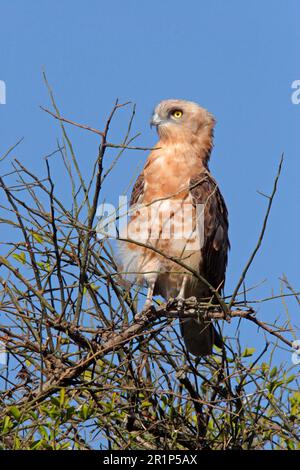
<point>204,190</point>
<point>138,190</point>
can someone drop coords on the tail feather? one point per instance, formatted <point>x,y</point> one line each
<point>199,336</point>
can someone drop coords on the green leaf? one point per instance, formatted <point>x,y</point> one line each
<point>55,401</point>
<point>295,403</point>
<point>37,237</point>
<point>15,412</point>
<point>7,424</point>
<point>273,385</point>
<point>43,432</point>
<point>66,446</point>
<point>17,443</point>
<point>87,375</point>
<point>94,287</point>
<point>70,412</point>
<point>62,396</point>
<point>85,411</point>
<point>290,379</point>
<point>265,368</point>
<point>36,444</point>
<point>295,397</point>
<point>248,352</point>
<point>20,257</point>
<point>146,404</point>
<point>45,266</point>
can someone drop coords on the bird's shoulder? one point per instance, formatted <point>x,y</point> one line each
<point>204,189</point>
<point>138,189</point>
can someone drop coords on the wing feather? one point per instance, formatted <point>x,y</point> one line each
<point>204,190</point>
<point>137,190</point>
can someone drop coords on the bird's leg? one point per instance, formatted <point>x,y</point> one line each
<point>149,298</point>
<point>181,296</point>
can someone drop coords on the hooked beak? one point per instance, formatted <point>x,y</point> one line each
<point>155,121</point>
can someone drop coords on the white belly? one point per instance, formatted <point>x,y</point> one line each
<point>169,226</point>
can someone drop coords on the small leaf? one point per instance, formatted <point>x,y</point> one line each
<point>85,411</point>
<point>47,266</point>
<point>15,412</point>
<point>265,368</point>
<point>62,396</point>
<point>20,257</point>
<point>87,375</point>
<point>146,404</point>
<point>290,379</point>
<point>37,237</point>
<point>6,424</point>
<point>43,432</point>
<point>70,412</point>
<point>36,444</point>
<point>55,401</point>
<point>94,287</point>
<point>248,352</point>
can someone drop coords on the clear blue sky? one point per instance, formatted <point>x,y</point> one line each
<point>237,58</point>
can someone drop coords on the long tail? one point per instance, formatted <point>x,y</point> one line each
<point>199,336</point>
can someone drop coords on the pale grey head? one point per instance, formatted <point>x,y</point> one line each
<point>179,115</point>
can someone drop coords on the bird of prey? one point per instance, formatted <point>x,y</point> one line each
<point>178,222</point>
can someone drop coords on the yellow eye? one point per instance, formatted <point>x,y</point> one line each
<point>177,114</point>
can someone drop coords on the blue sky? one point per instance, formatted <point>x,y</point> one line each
<point>237,58</point>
